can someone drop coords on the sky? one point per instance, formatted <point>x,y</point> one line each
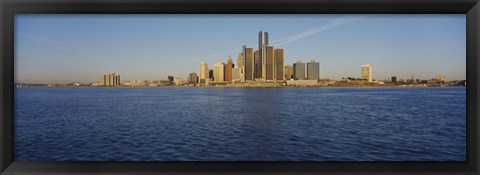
<point>59,48</point>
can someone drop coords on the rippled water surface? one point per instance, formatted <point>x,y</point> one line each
<point>192,123</point>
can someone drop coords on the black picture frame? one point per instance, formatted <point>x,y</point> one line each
<point>8,9</point>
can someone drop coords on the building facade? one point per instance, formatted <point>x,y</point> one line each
<point>241,66</point>
<point>262,44</point>
<point>170,79</point>
<point>269,62</point>
<point>257,71</point>
<point>236,74</point>
<point>192,78</point>
<point>299,70</point>
<point>218,71</point>
<point>210,75</point>
<point>249,63</point>
<point>288,72</point>
<point>179,81</point>
<point>110,79</point>
<point>228,69</point>
<point>279,61</point>
<point>394,79</point>
<point>313,70</point>
<point>203,71</point>
<point>367,72</point>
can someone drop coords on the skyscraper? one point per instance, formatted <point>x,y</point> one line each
<point>279,59</point>
<point>192,77</point>
<point>103,80</point>
<point>269,62</point>
<point>299,70</point>
<point>249,63</point>
<point>170,79</point>
<point>228,69</point>
<point>241,66</point>
<point>218,71</point>
<point>210,75</point>
<point>262,44</point>
<point>236,74</point>
<point>240,60</point>
<point>367,72</point>
<point>110,79</point>
<point>288,72</point>
<point>258,66</point>
<point>203,71</point>
<point>394,79</point>
<point>313,70</point>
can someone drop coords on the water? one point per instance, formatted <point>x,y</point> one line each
<point>286,124</point>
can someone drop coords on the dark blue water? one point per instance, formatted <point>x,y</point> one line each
<point>191,123</point>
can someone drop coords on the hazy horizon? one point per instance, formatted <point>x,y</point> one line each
<point>61,48</point>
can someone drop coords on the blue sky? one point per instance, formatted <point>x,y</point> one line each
<point>79,48</point>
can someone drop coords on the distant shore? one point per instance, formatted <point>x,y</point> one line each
<point>246,86</point>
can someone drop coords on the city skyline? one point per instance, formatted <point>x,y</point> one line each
<point>43,56</point>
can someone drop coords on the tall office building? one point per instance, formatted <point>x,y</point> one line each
<point>262,44</point>
<point>104,80</point>
<point>241,66</point>
<point>279,59</point>
<point>192,77</point>
<point>236,74</point>
<point>367,72</point>
<point>110,79</point>
<point>210,75</point>
<point>299,70</point>
<point>394,79</point>
<point>118,80</point>
<point>269,62</point>
<point>218,71</point>
<point>313,70</point>
<point>228,69</point>
<point>203,71</point>
<point>288,72</point>
<point>240,60</point>
<point>249,63</point>
<point>170,79</point>
<point>257,70</point>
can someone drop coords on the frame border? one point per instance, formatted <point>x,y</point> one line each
<point>8,9</point>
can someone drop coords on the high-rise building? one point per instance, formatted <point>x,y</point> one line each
<point>313,70</point>
<point>262,44</point>
<point>288,72</point>
<point>269,62</point>
<point>240,60</point>
<point>218,71</point>
<point>110,80</point>
<point>367,72</point>
<point>394,79</point>
<point>299,70</point>
<point>203,71</point>
<point>170,79</point>
<point>249,63</point>
<point>236,74</point>
<point>279,59</point>
<point>192,77</point>
<point>210,75</point>
<point>241,66</point>
<point>258,65</point>
<point>103,80</point>
<point>228,69</point>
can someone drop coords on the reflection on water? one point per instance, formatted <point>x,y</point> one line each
<point>191,123</point>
